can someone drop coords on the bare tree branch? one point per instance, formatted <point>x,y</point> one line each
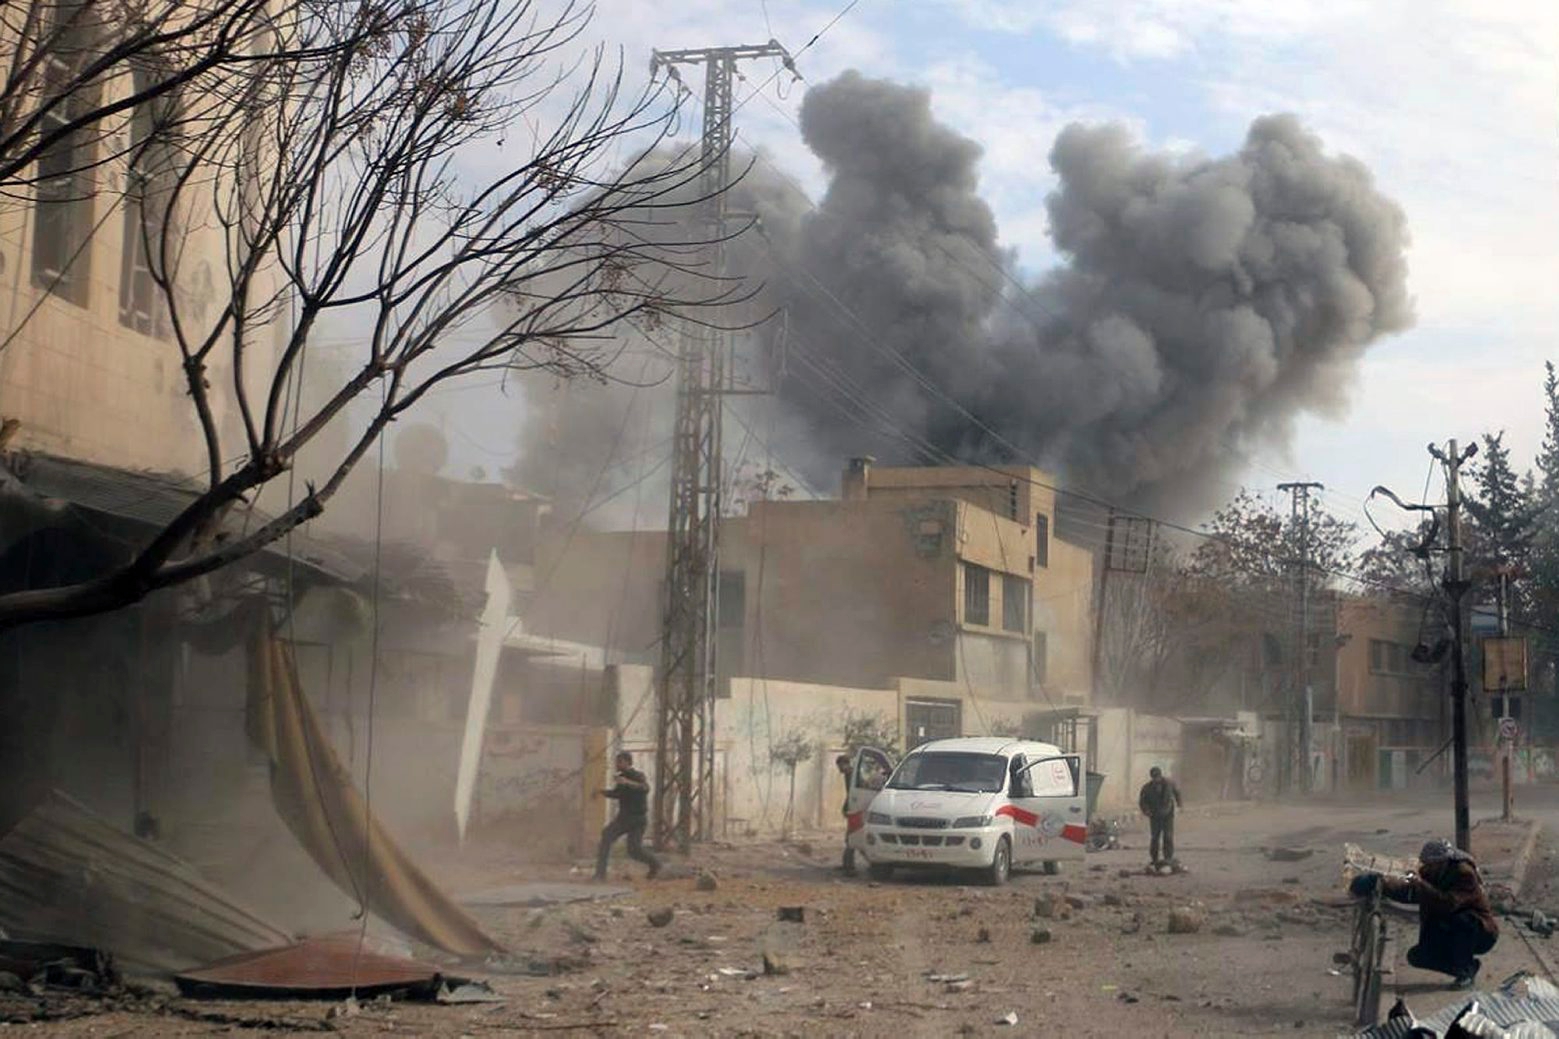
<point>355,160</point>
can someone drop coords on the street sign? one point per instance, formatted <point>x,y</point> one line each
<point>1483,620</point>
<point>1508,729</point>
<point>1504,663</point>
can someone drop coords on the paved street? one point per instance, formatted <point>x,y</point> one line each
<point>931,956</point>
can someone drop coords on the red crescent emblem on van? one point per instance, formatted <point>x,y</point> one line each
<point>1074,833</point>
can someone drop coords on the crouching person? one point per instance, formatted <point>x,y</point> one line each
<point>1456,924</point>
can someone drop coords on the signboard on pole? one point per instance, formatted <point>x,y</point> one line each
<point>1504,663</point>
<point>1508,730</point>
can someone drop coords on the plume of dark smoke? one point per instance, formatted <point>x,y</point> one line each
<point>1202,305</point>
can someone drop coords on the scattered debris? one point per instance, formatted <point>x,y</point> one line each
<point>659,917</point>
<point>1127,997</point>
<point>1541,924</point>
<point>38,965</point>
<point>1230,929</point>
<point>348,1007</point>
<point>983,935</point>
<point>469,992</point>
<point>1052,907</point>
<point>1009,1018</point>
<point>775,962</point>
<point>1287,854</point>
<point>959,986</point>
<point>1186,919</point>
<point>792,914</point>
<point>1114,898</point>
<point>1133,925</point>
<point>706,881</point>
<point>1078,901</point>
<point>1039,936</point>
<point>940,978</point>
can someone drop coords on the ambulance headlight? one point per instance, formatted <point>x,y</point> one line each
<point>879,818</point>
<point>972,822</point>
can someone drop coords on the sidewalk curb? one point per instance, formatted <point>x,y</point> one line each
<point>1522,863</point>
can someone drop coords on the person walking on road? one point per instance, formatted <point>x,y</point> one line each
<point>1158,800</point>
<point>1455,921</point>
<point>632,794</point>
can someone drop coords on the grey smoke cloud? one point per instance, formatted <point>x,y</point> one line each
<point>1201,307</point>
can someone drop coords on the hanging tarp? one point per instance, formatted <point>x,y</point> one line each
<point>315,796</point>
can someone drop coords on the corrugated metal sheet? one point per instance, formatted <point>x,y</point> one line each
<point>1527,1008</point>
<point>67,875</point>
<point>321,968</point>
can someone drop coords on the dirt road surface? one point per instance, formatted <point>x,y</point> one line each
<point>927,955</point>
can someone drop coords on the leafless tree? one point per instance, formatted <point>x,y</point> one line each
<point>352,180</point>
<point>78,70</point>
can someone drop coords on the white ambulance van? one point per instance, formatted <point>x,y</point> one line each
<point>990,804</point>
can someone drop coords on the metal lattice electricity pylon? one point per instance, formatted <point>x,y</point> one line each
<point>684,744</point>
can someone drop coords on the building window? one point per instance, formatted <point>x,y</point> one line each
<point>62,218</point>
<point>1041,539</point>
<point>1041,657</point>
<point>1014,603</point>
<point>142,304</point>
<point>977,594</point>
<point>1389,658</point>
<point>1012,500</point>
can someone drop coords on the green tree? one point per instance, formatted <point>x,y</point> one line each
<point>1499,536</point>
<point>788,752</point>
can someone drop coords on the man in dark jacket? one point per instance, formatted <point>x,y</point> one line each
<point>632,794</point>
<point>1158,800</point>
<point>1455,921</point>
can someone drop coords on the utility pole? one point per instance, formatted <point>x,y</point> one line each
<point>1506,744</point>
<point>1301,700</point>
<point>684,742</point>
<point>1455,585</point>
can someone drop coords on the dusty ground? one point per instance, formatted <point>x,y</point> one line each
<point>874,959</point>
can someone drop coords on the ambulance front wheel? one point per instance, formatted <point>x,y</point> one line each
<point>1052,868</point>
<point>1000,869</point>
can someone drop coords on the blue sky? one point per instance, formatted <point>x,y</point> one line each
<point>1454,105</point>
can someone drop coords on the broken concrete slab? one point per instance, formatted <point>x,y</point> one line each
<point>1186,919</point>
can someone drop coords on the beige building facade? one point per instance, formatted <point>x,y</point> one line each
<point>949,575</point>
